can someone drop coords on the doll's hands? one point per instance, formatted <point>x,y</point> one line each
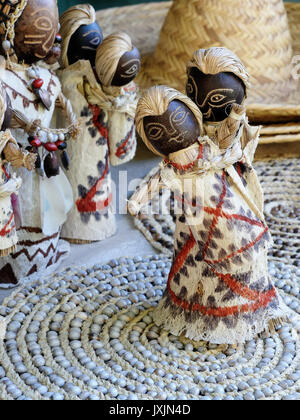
<point>133,208</point>
<point>237,111</point>
<point>18,158</point>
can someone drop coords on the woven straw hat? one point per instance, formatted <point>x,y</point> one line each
<point>265,34</point>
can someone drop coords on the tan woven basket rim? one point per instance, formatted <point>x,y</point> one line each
<point>144,21</point>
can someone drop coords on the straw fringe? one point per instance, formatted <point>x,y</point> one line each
<point>8,251</point>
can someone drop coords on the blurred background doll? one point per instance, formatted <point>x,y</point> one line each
<point>92,218</point>
<point>106,101</point>
<point>29,43</point>
<point>118,63</point>
<point>219,289</point>
<point>10,155</point>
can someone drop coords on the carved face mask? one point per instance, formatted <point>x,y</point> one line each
<point>84,43</point>
<point>128,68</point>
<point>215,94</point>
<point>36,29</point>
<point>175,130</point>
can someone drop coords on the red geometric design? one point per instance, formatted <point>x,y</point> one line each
<point>258,299</point>
<point>6,229</point>
<point>96,111</point>
<point>86,204</point>
<point>125,146</point>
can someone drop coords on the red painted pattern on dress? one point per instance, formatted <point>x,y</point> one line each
<point>259,299</point>
<point>86,204</point>
<point>6,230</point>
<point>240,251</point>
<point>96,111</point>
<point>217,216</point>
<point>125,146</point>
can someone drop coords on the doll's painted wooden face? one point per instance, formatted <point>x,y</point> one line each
<point>128,68</point>
<point>84,43</point>
<point>175,130</point>
<point>36,29</point>
<point>215,94</point>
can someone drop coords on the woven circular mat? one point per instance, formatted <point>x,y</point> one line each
<point>88,334</point>
<point>280,180</point>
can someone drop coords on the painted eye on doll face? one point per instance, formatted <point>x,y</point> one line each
<point>179,116</point>
<point>156,131</point>
<point>43,33</point>
<point>84,43</point>
<point>94,39</point>
<point>128,67</point>
<point>131,68</point>
<point>35,30</point>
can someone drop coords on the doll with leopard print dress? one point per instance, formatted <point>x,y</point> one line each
<point>219,289</point>
<point>97,77</point>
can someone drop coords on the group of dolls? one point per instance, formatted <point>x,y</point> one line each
<point>219,289</point>
<point>60,73</point>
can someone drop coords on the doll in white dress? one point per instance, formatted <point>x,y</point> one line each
<point>10,155</point>
<point>29,42</point>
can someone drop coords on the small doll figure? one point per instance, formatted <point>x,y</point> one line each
<point>92,218</point>
<point>106,101</point>
<point>29,43</point>
<point>118,63</point>
<point>218,83</point>
<point>219,289</point>
<point>10,154</point>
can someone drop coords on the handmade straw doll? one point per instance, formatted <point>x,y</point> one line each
<point>92,218</point>
<point>219,289</point>
<point>118,62</point>
<point>10,154</point>
<point>29,40</point>
<point>218,83</point>
<point>108,107</point>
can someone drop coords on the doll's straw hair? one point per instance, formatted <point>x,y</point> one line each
<point>108,56</point>
<point>219,60</point>
<point>70,21</point>
<point>155,102</point>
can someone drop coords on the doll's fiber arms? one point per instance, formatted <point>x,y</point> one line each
<point>13,154</point>
<point>145,193</point>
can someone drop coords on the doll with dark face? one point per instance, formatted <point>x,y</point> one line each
<point>216,81</point>
<point>29,43</point>
<point>81,35</point>
<point>92,218</point>
<point>118,62</point>
<point>207,297</point>
<point>34,31</point>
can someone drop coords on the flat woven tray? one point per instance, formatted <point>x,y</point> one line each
<point>144,22</point>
